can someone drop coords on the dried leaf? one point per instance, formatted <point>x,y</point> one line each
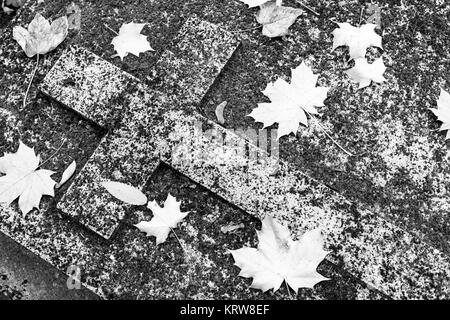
<point>443,112</point>
<point>130,40</point>
<point>67,174</point>
<point>358,39</point>
<point>125,193</point>
<point>278,258</point>
<point>164,219</point>
<point>364,73</point>
<point>22,179</point>
<point>290,101</point>
<point>277,19</point>
<point>41,36</point>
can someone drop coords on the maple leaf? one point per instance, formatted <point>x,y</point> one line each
<point>278,258</point>
<point>364,72</point>
<point>164,219</point>
<point>358,39</point>
<point>255,3</point>
<point>443,111</point>
<point>290,101</point>
<point>22,179</point>
<point>41,37</point>
<point>130,40</point>
<point>277,19</point>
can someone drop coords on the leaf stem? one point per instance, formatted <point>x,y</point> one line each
<point>31,81</point>
<point>332,20</point>
<point>110,29</point>
<point>329,136</point>
<point>307,7</point>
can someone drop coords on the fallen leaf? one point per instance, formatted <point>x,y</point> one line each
<point>164,219</point>
<point>358,39</point>
<point>443,112</point>
<point>22,179</point>
<point>277,19</point>
<point>219,112</point>
<point>67,174</point>
<point>130,40</point>
<point>290,101</point>
<point>278,258</point>
<point>41,36</point>
<point>364,73</point>
<point>125,193</point>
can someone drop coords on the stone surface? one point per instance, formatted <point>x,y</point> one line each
<point>183,75</point>
<point>399,174</point>
<point>25,276</point>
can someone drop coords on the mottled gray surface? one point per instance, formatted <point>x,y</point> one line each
<point>129,153</point>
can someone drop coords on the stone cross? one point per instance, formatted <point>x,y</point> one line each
<point>150,125</point>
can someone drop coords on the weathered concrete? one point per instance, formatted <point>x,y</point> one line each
<point>184,75</point>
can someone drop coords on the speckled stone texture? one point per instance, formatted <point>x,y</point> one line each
<point>392,233</point>
<point>184,74</point>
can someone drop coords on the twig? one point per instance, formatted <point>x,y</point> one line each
<point>329,136</point>
<point>31,81</point>
<point>289,292</point>
<point>110,29</point>
<point>307,7</point>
